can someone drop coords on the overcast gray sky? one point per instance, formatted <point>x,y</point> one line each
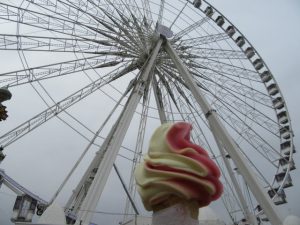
<point>270,25</point>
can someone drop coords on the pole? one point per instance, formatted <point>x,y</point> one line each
<point>113,142</point>
<point>248,215</point>
<point>159,103</point>
<point>225,139</point>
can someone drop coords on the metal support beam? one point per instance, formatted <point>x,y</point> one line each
<point>113,142</point>
<point>126,190</point>
<point>159,101</point>
<point>77,196</point>
<point>225,139</point>
<point>248,215</point>
<point>138,147</point>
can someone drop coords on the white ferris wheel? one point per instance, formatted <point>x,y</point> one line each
<point>98,77</point>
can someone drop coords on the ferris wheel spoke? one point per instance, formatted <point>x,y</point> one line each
<point>14,39</point>
<point>210,53</point>
<point>248,134</point>
<point>161,11</point>
<point>90,25</point>
<point>136,29</point>
<point>202,40</point>
<point>133,29</point>
<point>230,68</point>
<point>167,86</point>
<point>134,6</point>
<point>181,93</point>
<point>129,38</point>
<point>178,113</point>
<point>171,72</point>
<point>178,15</point>
<point>64,10</point>
<point>233,88</point>
<point>236,89</point>
<point>147,12</point>
<point>255,141</point>
<point>92,20</point>
<point>248,96</point>
<point>256,115</point>
<point>190,28</point>
<point>124,43</point>
<point>140,32</point>
<point>128,35</point>
<point>259,174</point>
<point>239,97</point>
<point>177,86</point>
<point>257,171</point>
<point>44,21</point>
<point>78,131</point>
<point>125,46</point>
<point>144,15</point>
<point>224,69</point>
<point>132,34</point>
<point>98,19</point>
<point>230,201</point>
<point>49,44</point>
<point>243,108</point>
<point>61,106</point>
<point>58,25</point>
<point>39,73</point>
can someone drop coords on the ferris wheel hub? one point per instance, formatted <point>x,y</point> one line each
<point>164,31</point>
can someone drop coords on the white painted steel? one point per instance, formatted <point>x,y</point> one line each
<point>118,33</point>
<point>113,143</point>
<point>224,138</point>
<point>248,215</point>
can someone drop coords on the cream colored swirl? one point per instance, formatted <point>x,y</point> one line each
<point>175,167</point>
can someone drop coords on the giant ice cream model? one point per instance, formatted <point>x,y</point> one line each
<point>177,177</point>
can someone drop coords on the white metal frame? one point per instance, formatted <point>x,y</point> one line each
<point>224,138</point>
<point>113,143</point>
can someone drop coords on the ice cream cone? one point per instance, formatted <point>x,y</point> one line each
<point>177,177</point>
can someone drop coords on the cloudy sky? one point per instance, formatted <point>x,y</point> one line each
<point>271,26</point>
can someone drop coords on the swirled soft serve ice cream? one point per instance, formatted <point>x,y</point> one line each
<point>177,171</point>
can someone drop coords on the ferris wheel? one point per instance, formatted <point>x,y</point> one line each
<point>110,71</point>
